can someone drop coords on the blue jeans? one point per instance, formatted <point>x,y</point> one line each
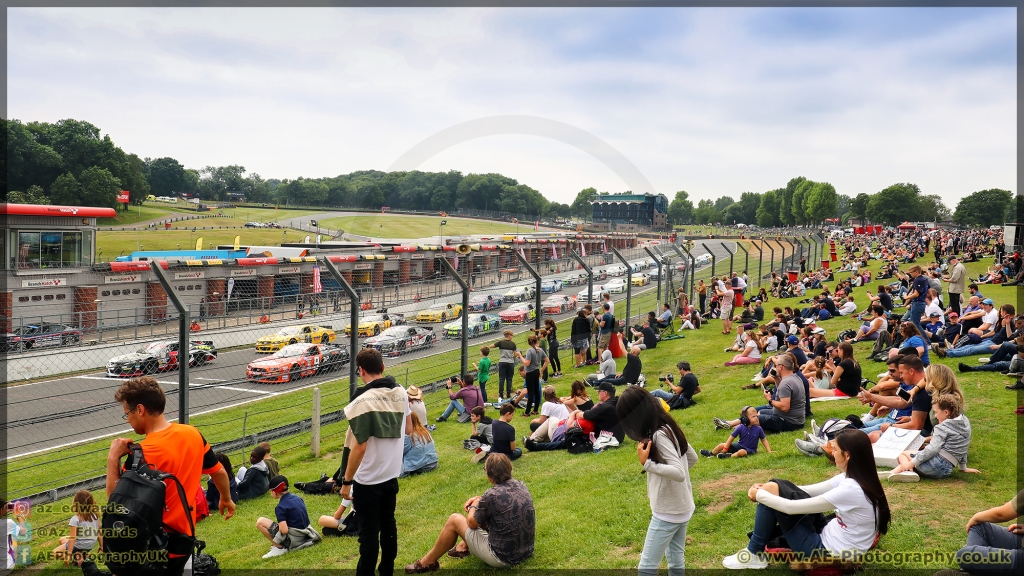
<point>876,424</point>
<point>969,349</point>
<point>483,390</point>
<point>916,311</point>
<point>993,366</point>
<point>663,394</point>
<point>515,454</point>
<point>802,538</point>
<point>1005,352</point>
<point>663,537</point>
<point>937,467</point>
<point>996,551</point>
<point>454,405</point>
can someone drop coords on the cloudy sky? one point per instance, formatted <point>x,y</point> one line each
<point>712,101</point>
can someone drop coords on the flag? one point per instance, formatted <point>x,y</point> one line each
<point>317,286</point>
<point>523,254</point>
<point>456,265</point>
<point>554,252</point>
<point>604,247</point>
<point>231,286</point>
<point>536,225</point>
<point>238,240</point>
<point>583,249</point>
<point>199,243</point>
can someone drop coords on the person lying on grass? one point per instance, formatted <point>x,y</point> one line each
<point>745,435</point>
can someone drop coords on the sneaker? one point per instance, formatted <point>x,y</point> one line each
<point>964,367</point>
<point>530,445</point>
<point>331,532</point>
<point>867,417</point>
<point>525,439</point>
<point>1015,374</point>
<point>744,560</point>
<point>808,448</point>
<point>441,419</point>
<point>431,427</point>
<point>274,552</point>
<point>705,453</point>
<point>757,377</point>
<point>908,476</point>
<point>815,429</point>
<point>939,350</point>
<point>1018,385</point>
<point>983,360</point>
<point>818,440</point>
<point>721,424</point>
<point>479,456</point>
<point>723,455</point>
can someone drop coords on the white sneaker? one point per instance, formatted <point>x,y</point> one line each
<point>274,552</point>
<point>867,417</point>
<point>882,375</point>
<point>908,476</point>
<point>884,474</point>
<point>983,360</point>
<point>744,560</point>
<point>815,429</point>
<point>757,377</point>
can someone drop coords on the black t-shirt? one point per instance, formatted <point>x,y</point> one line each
<point>830,305</point>
<point>503,435</point>
<point>758,314</point>
<point>650,338</point>
<point>585,406</point>
<point>921,286</point>
<point>849,381</point>
<point>885,300</point>
<point>922,402</point>
<point>604,418</point>
<point>631,372</point>
<point>780,337</point>
<point>820,349</point>
<point>689,385</point>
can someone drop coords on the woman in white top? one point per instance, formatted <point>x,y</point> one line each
<point>552,412</point>
<point>666,458</point>
<point>751,353</point>
<point>876,326</point>
<point>856,496</point>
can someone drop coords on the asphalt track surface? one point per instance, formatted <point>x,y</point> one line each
<point>60,411</point>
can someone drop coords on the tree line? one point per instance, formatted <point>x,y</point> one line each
<point>69,162</point>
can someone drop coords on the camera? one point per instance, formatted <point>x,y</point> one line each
<point>666,378</point>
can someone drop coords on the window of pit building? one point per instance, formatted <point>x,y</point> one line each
<point>49,249</point>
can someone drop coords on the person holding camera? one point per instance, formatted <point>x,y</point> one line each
<point>846,374</point>
<point>680,396</point>
<point>468,392</point>
<point>787,402</point>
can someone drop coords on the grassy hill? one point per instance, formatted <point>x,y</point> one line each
<point>401,226</point>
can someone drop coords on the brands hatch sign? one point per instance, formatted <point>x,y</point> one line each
<point>189,275</point>
<point>128,278</point>
<point>45,283</point>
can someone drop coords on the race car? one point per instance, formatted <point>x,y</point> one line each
<point>551,286</point>
<point>399,339</point>
<point>159,357</point>
<point>307,333</point>
<point>574,279</point>
<point>616,270</point>
<point>558,304</point>
<point>582,295</point>
<point>615,286</point>
<point>518,313</point>
<point>374,324</point>
<point>484,302</point>
<point>519,294</point>
<point>296,361</point>
<point>598,275</point>
<point>640,279</point>
<point>40,336</point>
<point>440,313</point>
<point>478,324</point>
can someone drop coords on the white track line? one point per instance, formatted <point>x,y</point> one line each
<point>113,380</point>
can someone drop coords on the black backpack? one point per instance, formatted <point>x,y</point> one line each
<point>133,521</point>
<point>576,442</point>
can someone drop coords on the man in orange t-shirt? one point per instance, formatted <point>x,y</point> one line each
<point>177,449</point>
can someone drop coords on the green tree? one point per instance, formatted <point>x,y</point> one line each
<point>895,204</point>
<point>820,202</point>
<point>842,207</point>
<point>680,210</point>
<point>724,202</point>
<point>859,206</point>
<point>583,205</point>
<point>798,203</point>
<point>558,210</point>
<point>983,208</point>
<point>34,195</point>
<point>28,162</point>
<point>99,187</point>
<point>166,176</point>
<point>733,214</point>
<point>748,203</point>
<point>768,212</point>
<point>368,194</point>
<point>785,201</point>
<point>933,209</point>
<point>706,213</point>
<point>66,191</point>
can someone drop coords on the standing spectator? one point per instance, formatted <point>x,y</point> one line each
<point>372,460</point>
<point>506,364</point>
<point>666,457</point>
<point>534,362</point>
<point>915,298</point>
<point>483,372</point>
<point>202,308</point>
<point>956,278</point>
<point>580,337</point>
<point>606,323</point>
<point>702,297</point>
<point>499,527</point>
<point>727,298</point>
<point>174,448</point>
<point>556,362</point>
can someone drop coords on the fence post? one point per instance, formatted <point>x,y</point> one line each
<point>657,260</point>
<point>590,275</point>
<point>690,263</point>
<point>184,330</point>
<point>353,341</point>
<point>314,431</point>
<point>464,364</point>
<point>731,260</point>
<point>714,260</point>
<point>536,278</point>
<point>771,265</point>
<point>792,254</point>
<point>629,281</point>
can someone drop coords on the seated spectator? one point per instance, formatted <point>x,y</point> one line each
<point>786,409</point>
<point>692,322</point>
<point>665,320</point>
<point>751,353</point>
<point>292,531</point>
<point>631,371</point>
<point>551,413</point>
<point>740,341</point>
<point>681,395</point>
<point>991,549</point>
<point>848,308</point>
<point>504,435</point>
<point>912,373</point>
<point>499,527</point>
<point>481,426</point>
<point>606,369</point>
<point>933,328</point>
<point>578,399</point>
<point>416,404</point>
<point>83,531</point>
<point>818,374</point>
<point>212,493</point>
<point>946,448</point>
<point>996,327</point>
<point>871,329</point>
<point>846,374</point>
<point>468,392</point>
<point>855,495</point>
<point>419,454</point>
<point>912,338</point>
<point>273,467</point>
<point>746,436</point>
<point>254,481</point>
<point>645,338</point>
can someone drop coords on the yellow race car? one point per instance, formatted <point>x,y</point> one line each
<point>440,313</point>
<point>371,325</point>
<point>309,333</point>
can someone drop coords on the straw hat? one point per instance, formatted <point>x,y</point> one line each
<point>414,393</point>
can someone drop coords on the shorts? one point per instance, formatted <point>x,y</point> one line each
<point>936,467</point>
<point>585,425</point>
<point>734,447</point>
<point>477,541</point>
<point>604,340</point>
<point>726,312</point>
<point>840,393</point>
<point>294,540</point>
<point>581,345</point>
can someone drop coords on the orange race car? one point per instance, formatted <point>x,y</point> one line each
<point>296,361</point>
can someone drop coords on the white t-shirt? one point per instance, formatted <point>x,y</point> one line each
<point>853,528</point>
<point>12,531</point>
<point>933,308</point>
<point>555,410</point>
<point>991,318</point>
<point>420,409</point>
<point>740,283</point>
<point>611,306</point>
<point>753,351</point>
<point>383,458</point>
<point>85,537</point>
<point>848,308</point>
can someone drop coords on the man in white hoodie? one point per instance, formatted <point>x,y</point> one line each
<point>606,369</point>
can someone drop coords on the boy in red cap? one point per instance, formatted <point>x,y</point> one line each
<point>292,531</point>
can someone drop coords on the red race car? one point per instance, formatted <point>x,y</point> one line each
<point>296,361</point>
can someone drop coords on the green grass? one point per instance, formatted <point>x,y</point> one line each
<point>399,226</point>
<point>239,216</point>
<point>113,243</point>
<point>148,211</point>
<point>592,510</point>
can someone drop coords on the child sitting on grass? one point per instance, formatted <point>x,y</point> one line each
<point>272,465</point>
<point>292,531</point>
<point>946,448</point>
<point>746,436</point>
